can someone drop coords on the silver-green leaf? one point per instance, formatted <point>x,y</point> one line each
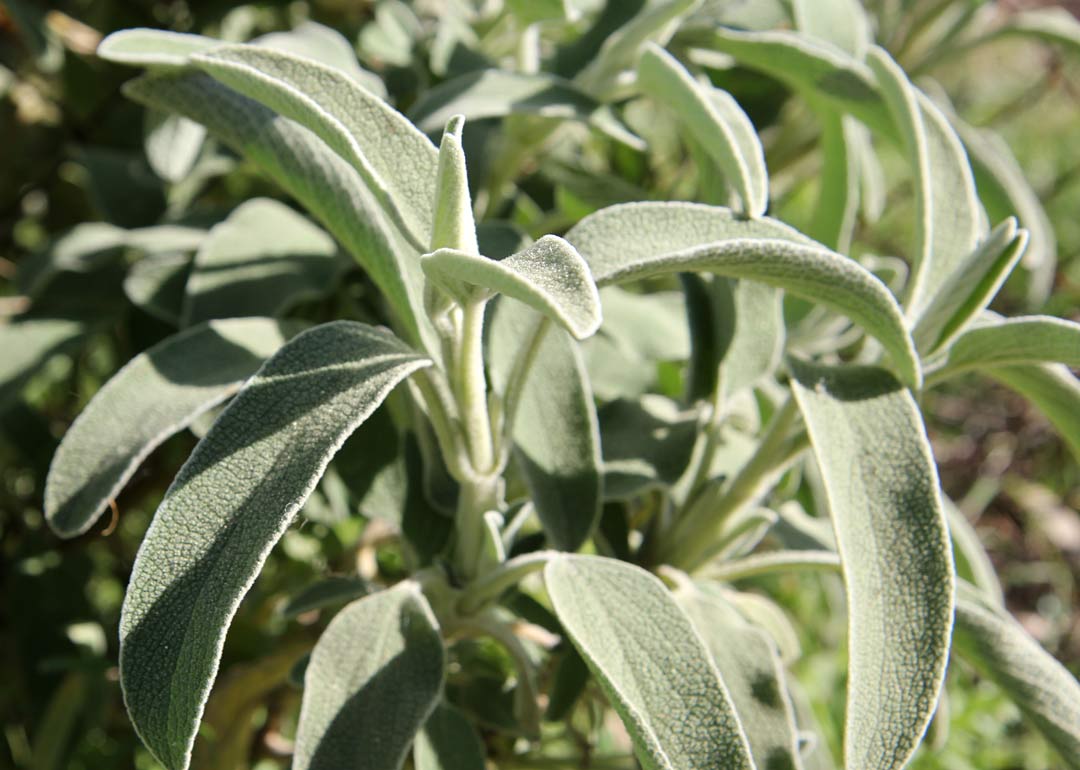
<point>883,495</point>
<point>1012,342</point>
<point>156,394</point>
<point>231,501</point>
<point>715,120</point>
<point>375,676</point>
<point>650,662</point>
<point>448,741</point>
<point>1004,652</point>
<point>397,161</point>
<point>549,276</point>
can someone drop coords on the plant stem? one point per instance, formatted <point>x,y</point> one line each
<point>693,536</point>
<point>439,410</point>
<point>472,388</point>
<point>507,575</point>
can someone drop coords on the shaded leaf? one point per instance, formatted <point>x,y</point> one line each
<point>893,540</point>
<point>646,443</point>
<point>27,345</point>
<point>650,662</point>
<point>328,592</point>
<point>229,504</point>
<point>448,741</point>
<point>374,678</point>
<point>156,285</point>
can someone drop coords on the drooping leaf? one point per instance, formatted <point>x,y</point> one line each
<point>833,221</point>
<point>646,443</point>
<point>305,168</point>
<point>326,45</point>
<point>1004,652</point>
<point>555,430</point>
<point>893,540</point>
<point>949,216</point>
<point>549,276</point>
<point>1017,341</point>
<point>374,678</point>
<point>715,120</point>
<point>751,670</point>
<point>261,260</point>
<point>495,93</point>
<point>144,47</point>
<point>27,345</point>
<point>813,68</point>
<point>397,161</point>
<point>636,241</point>
<point>158,393</point>
<point>230,503</point>
<point>651,663</point>
<point>448,741</point>
<point>971,288</point>
<point>1054,390</point>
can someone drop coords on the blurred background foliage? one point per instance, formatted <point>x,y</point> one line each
<point>75,151</point>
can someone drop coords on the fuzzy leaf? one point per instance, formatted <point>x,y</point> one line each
<point>650,662</point>
<point>949,218</point>
<point>495,93</point>
<point>156,394</point>
<point>172,144</point>
<point>374,678</point>
<point>555,430</point>
<point>714,119</point>
<point>305,168</point>
<point>454,226</point>
<point>1012,342</point>
<point>646,443</point>
<point>325,45</point>
<point>651,326</point>
<point>882,489</point>
<point>751,670</point>
<point>549,276</point>
<point>636,241</point>
<point>261,260</point>
<point>328,592</point>
<point>1004,652</point>
<point>970,288</point>
<point>156,284</point>
<point>231,501</point>
<point>448,741</point>
<point>27,345</point>
<point>397,161</point>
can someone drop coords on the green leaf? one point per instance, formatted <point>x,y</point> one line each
<point>375,676</point>
<point>972,560</point>
<point>230,503</point>
<point>328,592</point>
<point>310,172</point>
<point>27,345</point>
<point>1036,339</point>
<point>650,326</point>
<point>833,221</point>
<point>1003,651</point>
<point>553,420</point>
<point>970,288</point>
<point>325,45</point>
<point>813,68</point>
<point>548,276</point>
<point>656,22</point>
<point>143,47</point>
<point>750,668</point>
<point>1054,390</point>
<point>398,162</point>
<point>156,284</point>
<point>172,144</point>
<point>650,662</point>
<point>262,260</point>
<point>713,118</point>
<point>156,394</point>
<point>495,93</point>
<point>756,339</point>
<point>949,218</point>
<point>635,241</point>
<point>646,443</point>
<point>882,489</point>
<point>1051,25</point>
<point>448,741</point>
